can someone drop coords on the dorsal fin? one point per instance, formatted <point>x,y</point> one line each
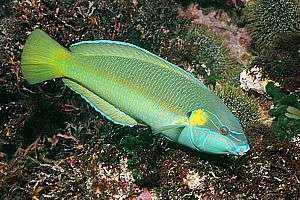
<point>124,50</point>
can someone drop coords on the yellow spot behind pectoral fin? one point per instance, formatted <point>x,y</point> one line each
<point>198,118</point>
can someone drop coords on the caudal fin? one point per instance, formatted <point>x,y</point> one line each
<point>42,58</point>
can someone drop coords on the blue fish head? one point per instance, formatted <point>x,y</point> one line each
<point>214,133</point>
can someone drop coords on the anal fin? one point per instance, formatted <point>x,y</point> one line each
<point>100,105</point>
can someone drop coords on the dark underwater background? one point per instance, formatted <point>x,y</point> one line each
<point>53,145</point>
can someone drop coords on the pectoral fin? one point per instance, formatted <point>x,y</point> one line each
<point>171,132</point>
<point>165,128</point>
<point>100,105</point>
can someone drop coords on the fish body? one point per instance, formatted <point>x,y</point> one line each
<point>157,96</point>
<point>130,85</point>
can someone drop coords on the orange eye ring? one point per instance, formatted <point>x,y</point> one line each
<point>224,130</point>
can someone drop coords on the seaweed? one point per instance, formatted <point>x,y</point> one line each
<point>243,106</point>
<point>292,112</point>
<point>283,63</point>
<point>285,125</point>
<point>271,20</point>
<point>215,4</point>
<point>234,8</point>
<point>213,59</point>
<point>53,145</point>
<point>127,21</point>
<point>275,30</point>
<point>56,114</point>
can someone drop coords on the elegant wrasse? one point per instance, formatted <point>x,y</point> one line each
<point>130,86</point>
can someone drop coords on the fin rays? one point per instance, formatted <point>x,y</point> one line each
<point>100,105</point>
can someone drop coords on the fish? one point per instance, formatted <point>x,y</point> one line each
<point>131,86</point>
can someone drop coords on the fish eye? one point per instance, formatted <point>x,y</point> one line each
<point>224,130</point>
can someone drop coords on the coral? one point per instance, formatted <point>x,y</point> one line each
<point>269,20</point>
<point>234,38</point>
<point>286,125</point>
<point>236,3</point>
<point>216,4</point>
<point>205,3</point>
<point>212,56</point>
<point>57,147</point>
<point>275,29</point>
<point>282,64</point>
<point>252,79</point>
<point>241,105</point>
<point>145,195</point>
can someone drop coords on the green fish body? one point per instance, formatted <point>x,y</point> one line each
<point>129,85</point>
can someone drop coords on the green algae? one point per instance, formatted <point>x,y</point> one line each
<point>243,106</point>
<point>101,144</point>
<point>283,125</point>
<point>274,26</point>
<point>270,20</point>
<point>212,56</point>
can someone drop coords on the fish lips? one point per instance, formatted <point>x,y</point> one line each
<point>205,140</point>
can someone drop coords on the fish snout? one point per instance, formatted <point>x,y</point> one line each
<point>211,142</point>
<point>241,149</point>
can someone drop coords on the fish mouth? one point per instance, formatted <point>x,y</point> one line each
<point>240,150</point>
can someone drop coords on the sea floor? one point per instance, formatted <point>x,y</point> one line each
<point>53,145</point>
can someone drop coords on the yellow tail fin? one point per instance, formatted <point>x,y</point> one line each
<point>42,58</point>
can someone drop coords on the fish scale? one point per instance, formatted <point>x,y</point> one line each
<point>134,80</point>
<point>129,85</point>
<point>144,80</point>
